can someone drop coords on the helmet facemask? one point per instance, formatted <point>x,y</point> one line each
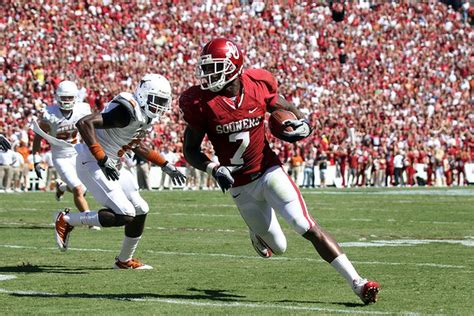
<point>213,72</point>
<point>66,95</point>
<point>154,95</point>
<point>157,104</point>
<point>66,102</point>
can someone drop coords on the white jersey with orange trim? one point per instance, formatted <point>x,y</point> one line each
<point>63,127</point>
<point>116,141</point>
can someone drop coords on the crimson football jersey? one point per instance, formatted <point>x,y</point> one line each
<point>236,128</point>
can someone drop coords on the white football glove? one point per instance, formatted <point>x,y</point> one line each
<point>109,168</point>
<point>223,176</point>
<point>301,129</point>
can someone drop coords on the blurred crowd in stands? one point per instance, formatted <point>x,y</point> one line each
<point>386,86</point>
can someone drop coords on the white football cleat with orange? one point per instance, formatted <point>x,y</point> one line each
<point>260,246</point>
<point>131,264</point>
<point>62,230</point>
<point>366,290</point>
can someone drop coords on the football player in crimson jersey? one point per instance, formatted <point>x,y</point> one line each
<point>229,107</point>
<point>107,136</point>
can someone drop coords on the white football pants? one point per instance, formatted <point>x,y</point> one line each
<point>258,201</point>
<point>66,168</point>
<point>121,196</point>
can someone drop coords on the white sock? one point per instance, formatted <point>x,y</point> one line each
<point>346,269</point>
<point>128,248</point>
<point>83,218</point>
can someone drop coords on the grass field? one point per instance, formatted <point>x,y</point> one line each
<point>418,243</point>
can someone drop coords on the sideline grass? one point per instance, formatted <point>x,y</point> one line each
<point>204,263</point>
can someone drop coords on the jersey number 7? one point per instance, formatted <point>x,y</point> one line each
<point>244,137</point>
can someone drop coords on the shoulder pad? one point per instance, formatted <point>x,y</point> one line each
<point>83,107</point>
<point>261,75</point>
<point>126,99</point>
<point>48,114</point>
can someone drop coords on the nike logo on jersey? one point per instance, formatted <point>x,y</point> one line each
<point>253,110</point>
<point>236,196</point>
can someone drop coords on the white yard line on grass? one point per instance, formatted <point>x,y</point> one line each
<point>223,255</point>
<point>452,192</point>
<point>194,214</point>
<point>4,210</point>
<point>4,277</point>
<point>233,305</point>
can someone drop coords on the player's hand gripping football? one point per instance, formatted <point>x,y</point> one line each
<point>4,143</point>
<point>109,168</point>
<point>223,176</point>
<point>301,129</point>
<point>176,176</point>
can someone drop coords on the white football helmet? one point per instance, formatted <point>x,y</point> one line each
<point>66,95</point>
<point>153,94</point>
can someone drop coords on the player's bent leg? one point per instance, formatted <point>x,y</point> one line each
<point>133,230</point>
<point>331,252</point>
<point>108,218</point>
<point>323,242</point>
<point>260,246</point>
<point>79,200</point>
<point>133,234</point>
<point>273,239</point>
<point>265,232</point>
<point>135,227</point>
<point>68,179</point>
<point>284,196</point>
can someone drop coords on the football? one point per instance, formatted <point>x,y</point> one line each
<point>276,119</point>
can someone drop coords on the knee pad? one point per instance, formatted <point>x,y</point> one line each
<point>142,207</point>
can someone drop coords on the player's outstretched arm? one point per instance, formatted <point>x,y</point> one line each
<point>154,157</point>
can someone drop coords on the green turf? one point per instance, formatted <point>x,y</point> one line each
<point>204,263</point>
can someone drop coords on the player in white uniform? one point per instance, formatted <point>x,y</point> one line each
<point>108,135</point>
<point>59,122</point>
